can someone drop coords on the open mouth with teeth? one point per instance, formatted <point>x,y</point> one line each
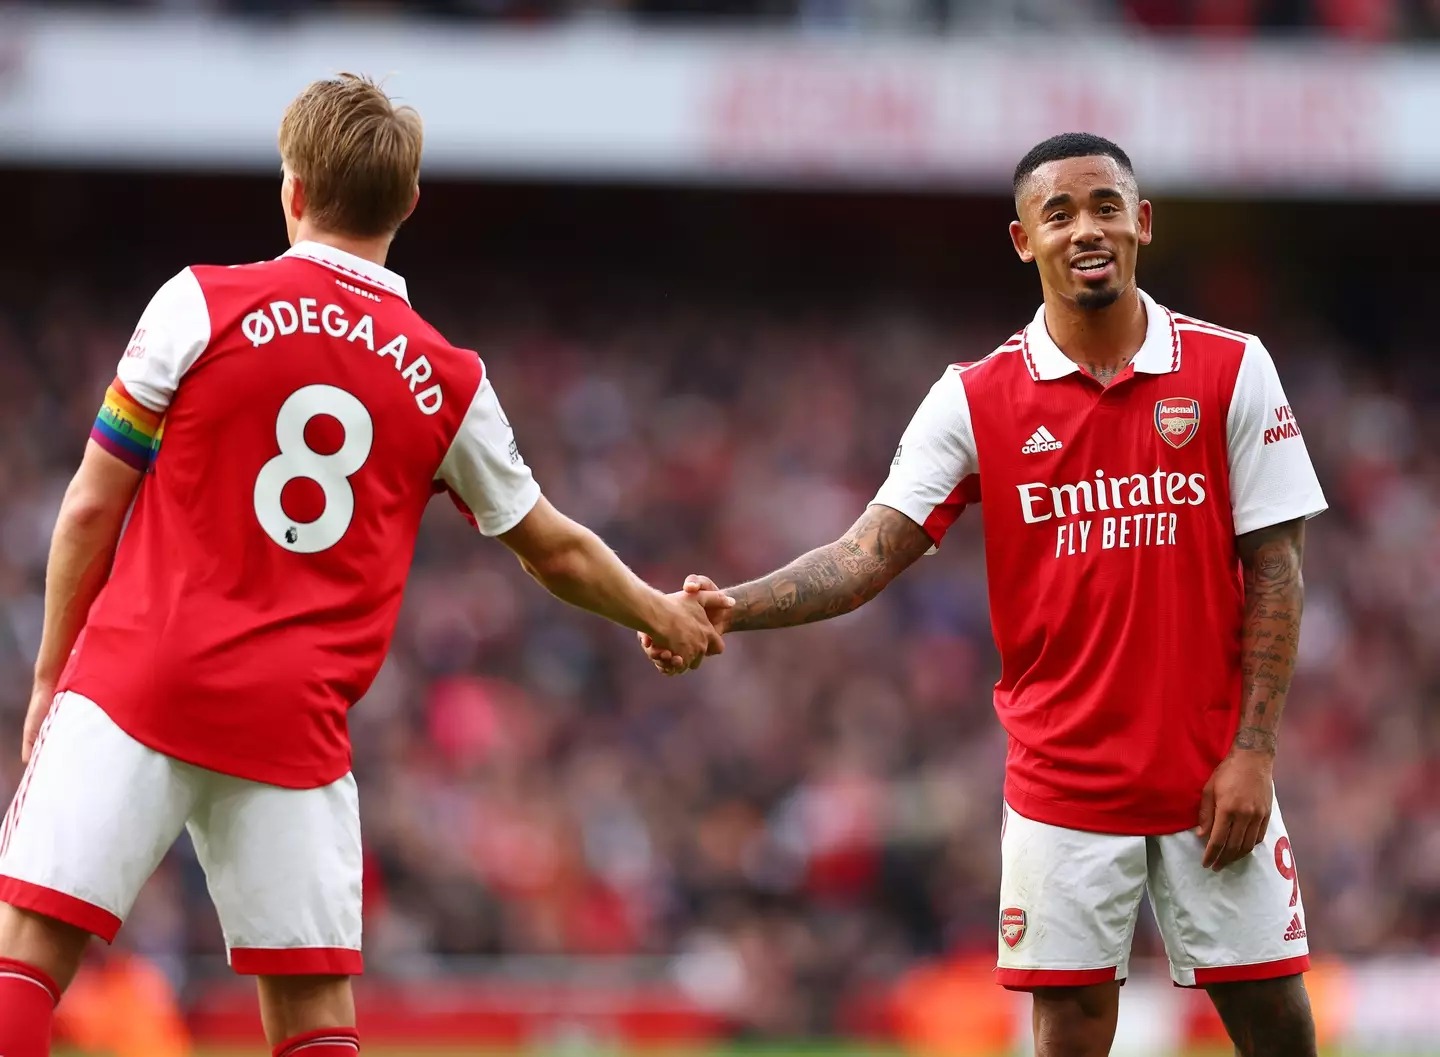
<point>1093,266</point>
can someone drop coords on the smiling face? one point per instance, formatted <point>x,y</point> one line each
<point>1082,222</point>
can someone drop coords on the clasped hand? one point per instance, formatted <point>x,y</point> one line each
<point>669,654</point>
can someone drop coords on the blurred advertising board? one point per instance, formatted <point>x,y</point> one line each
<point>600,101</point>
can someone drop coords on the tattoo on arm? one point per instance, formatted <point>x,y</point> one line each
<point>834,579</point>
<point>1274,598</point>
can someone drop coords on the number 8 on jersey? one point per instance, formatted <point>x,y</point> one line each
<point>331,472</point>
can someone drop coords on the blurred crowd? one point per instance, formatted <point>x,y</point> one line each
<point>1359,20</point>
<point>818,808</point>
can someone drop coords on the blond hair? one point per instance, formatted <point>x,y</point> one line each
<point>356,153</point>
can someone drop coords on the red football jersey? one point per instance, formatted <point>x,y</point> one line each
<point>1110,517</point>
<point>309,414</point>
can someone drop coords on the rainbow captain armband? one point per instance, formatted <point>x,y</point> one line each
<point>126,428</point>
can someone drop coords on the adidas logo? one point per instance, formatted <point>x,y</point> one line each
<point>1296,931</point>
<point>1041,440</point>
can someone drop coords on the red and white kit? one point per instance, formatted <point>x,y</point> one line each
<point>1116,600</point>
<point>300,415</point>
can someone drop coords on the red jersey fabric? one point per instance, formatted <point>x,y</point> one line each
<point>309,415</point>
<point>1110,518</point>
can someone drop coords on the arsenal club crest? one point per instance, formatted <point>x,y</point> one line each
<point>1177,420</point>
<point>1012,925</point>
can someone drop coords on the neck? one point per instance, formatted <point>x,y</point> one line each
<point>374,250</point>
<point>1107,337</point>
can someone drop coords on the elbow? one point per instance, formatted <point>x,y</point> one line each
<point>550,547</point>
<point>89,512</point>
<point>553,567</point>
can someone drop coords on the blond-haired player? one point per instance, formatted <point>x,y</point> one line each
<point>196,672</point>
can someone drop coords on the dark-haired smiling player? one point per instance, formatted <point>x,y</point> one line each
<point>1145,492</point>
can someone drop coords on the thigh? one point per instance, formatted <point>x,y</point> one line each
<point>94,814</point>
<point>1246,922</point>
<point>1068,902</point>
<point>283,867</point>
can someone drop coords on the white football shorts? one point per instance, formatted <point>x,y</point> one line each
<point>96,811</point>
<point>1069,900</point>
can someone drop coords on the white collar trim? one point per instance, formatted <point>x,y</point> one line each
<point>1160,353</point>
<point>345,263</point>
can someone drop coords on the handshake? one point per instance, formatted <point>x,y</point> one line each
<point>690,626</point>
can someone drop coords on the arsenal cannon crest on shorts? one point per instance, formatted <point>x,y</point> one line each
<point>1012,925</point>
<point>1177,420</point>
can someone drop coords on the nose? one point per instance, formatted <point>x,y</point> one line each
<point>1086,229</point>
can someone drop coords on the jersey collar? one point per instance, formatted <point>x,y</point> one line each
<point>1160,354</point>
<point>338,260</point>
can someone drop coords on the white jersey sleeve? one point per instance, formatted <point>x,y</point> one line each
<point>1271,478</point>
<point>484,470</point>
<point>936,459</point>
<point>171,335</point>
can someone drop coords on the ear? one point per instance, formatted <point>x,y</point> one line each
<point>413,203</point>
<point>1020,239</point>
<point>1143,216</point>
<point>295,206</point>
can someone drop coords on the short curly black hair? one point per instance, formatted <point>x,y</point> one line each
<point>1069,145</point>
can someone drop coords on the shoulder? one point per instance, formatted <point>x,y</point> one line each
<point>184,285</point>
<point>234,274</point>
<point>1237,362</point>
<point>226,285</point>
<point>250,276</point>
<point>427,331</point>
<point>455,359</point>
<point>947,405</point>
<point>1203,329</point>
<point>180,304</point>
<point>995,368</point>
<point>1211,341</point>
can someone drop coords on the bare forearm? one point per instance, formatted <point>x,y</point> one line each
<point>81,552</point>
<point>1270,636</point>
<point>591,576</point>
<point>834,579</point>
<point>576,566</point>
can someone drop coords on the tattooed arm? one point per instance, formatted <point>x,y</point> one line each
<point>1235,807</point>
<point>830,580</point>
<point>934,474</point>
<point>1274,597</point>
<point>826,582</point>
